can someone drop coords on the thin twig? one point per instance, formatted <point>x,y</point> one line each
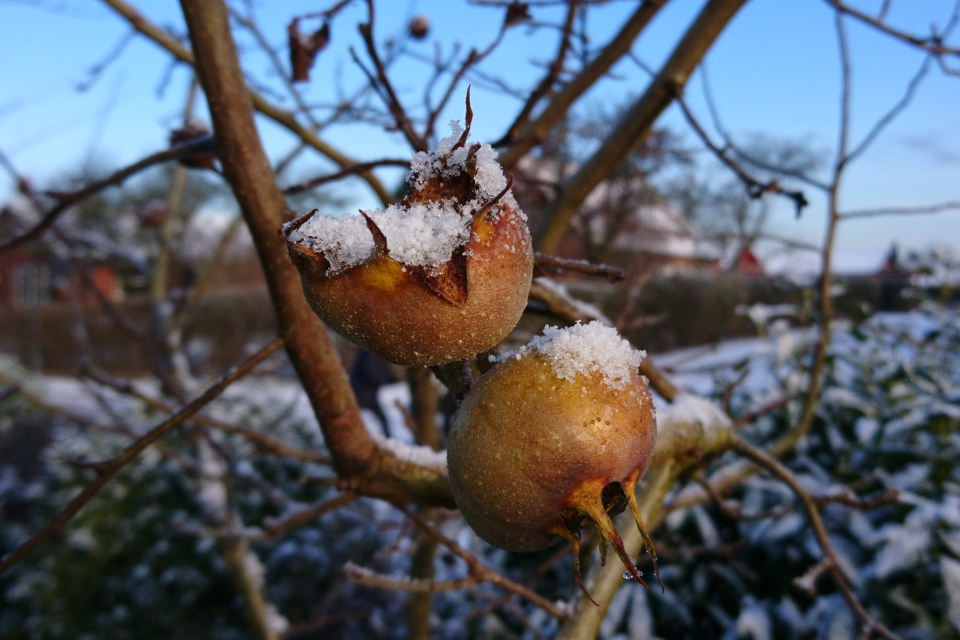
<point>546,84</point>
<point>535,132</point>
<point>275,528</point>
<point>385,87</point>
<point>900,211</point>
<point>346,171</point>
<point>109,468</point>
<point>766,461</point>
<point>200,146</point>
<point>370,578</point>
<point>755,188</point>
<point>543,261</point>
<point>635,122</point>
<point>932,44</point>
<point>282,117</point>
<point>262,441</point>
<point>481,571</point>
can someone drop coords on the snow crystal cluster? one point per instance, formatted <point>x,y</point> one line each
<point>414,454</point>
<point>418,235</point>
<point>584,349</point>
<point>689,409</point>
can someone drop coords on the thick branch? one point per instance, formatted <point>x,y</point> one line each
<point>636,123</point>
<point>536,132</point>
<point>359,462</point>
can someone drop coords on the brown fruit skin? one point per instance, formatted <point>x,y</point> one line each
<point>524,441</point>
<point>381,307</point>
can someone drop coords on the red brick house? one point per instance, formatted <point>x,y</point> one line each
<point>29,276</point>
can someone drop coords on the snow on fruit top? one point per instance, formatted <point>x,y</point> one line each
<point>440,277</point>
<point>585,348</point>
<point>418,234</point>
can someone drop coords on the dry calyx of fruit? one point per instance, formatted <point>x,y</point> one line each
<point>438,278</point>
<point>552,438</point>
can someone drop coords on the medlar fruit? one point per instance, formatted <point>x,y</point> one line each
<point>438,278</point>
<point>553,438</point>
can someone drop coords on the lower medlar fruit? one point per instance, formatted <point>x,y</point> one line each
<point>553,438</point>
<point>438,278</point>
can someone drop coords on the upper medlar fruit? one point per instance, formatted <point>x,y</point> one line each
<point>553,438</point>
<point>438,278</point>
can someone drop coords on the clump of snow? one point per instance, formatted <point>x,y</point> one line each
<point>951,584</point>
<point>689,409</point>
<point>489,178</point>
<point>414,454</point>
<point>418,235</point>
<point>344,240</point>
<point>585,309</point>
<point>447,161</point>
<point>424,235</point>
<point>583,349</point>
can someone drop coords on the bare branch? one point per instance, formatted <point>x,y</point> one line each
<point>869,626</point>
<point>932,44</point>
<point>900,211</point>
<point>273,529</point>
<point>363,466</point>
<point>198,147</point>
<point>385,87</point>
<point>742,155</point>
<point>545,262</point>
<point>480,571</point>
<point>370,578</point>
<point>894,111</point>
<point>551,78</point>
<point>278,115</point>
<point>262,441</point>
<point>527,136</point>
<point>755,188</point>
<point>250,25</point>
<point>346,171</point>
<point>109,468</point>
<point>636,122</point>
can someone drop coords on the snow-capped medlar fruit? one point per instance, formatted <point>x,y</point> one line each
<point>553,438</point>
<point>438,278</point>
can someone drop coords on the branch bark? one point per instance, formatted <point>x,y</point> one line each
<point>361,465</point>
<point>636,123</point>
<point>536,132</point>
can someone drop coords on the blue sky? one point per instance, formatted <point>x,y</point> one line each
<point>774,72</point>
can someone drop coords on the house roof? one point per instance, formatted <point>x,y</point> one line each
<point>806,264</point>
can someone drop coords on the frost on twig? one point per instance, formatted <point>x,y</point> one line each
<point>560,303</point>
<point>691,425</point>
<point>416,455</point>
